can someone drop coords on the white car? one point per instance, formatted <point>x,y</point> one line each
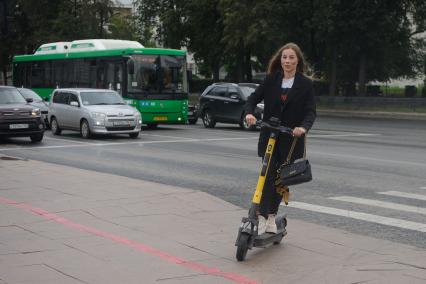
<point>92,111</point>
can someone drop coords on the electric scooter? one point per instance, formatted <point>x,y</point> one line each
<point>247,233</point>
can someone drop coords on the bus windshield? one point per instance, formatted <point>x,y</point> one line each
<point>158,74</point>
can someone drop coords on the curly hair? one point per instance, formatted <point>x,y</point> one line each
<point>275,62</point>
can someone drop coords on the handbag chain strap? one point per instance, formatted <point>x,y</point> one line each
<point>290,153</point>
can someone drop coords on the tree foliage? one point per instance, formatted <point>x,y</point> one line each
<point>347,43</point>
<point>34,22</point>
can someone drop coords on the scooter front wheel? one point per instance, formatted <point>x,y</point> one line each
<point>242,247</point>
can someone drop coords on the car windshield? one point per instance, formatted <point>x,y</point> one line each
<point>247,91</point>
<point>158,74</point>
<point>101,98</point>
<point>30,94</point>
<point>11,96</point>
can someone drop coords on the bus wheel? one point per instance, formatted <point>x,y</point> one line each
<point>54,126</point>
<point>152,125</point>
<point>85,129</point>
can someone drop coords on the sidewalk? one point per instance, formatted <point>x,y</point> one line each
<point>65,225</point>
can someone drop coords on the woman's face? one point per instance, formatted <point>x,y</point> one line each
<point>289,60</point>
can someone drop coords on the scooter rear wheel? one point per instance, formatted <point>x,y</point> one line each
<point>242,247</point>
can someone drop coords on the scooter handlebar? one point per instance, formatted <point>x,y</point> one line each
<point>280,128</point>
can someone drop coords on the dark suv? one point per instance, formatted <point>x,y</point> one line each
<point>17,117</point>
<point>225,102</point>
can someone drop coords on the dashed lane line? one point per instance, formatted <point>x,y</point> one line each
<point>381,204</point>
<point>405,194</point>
<point>69,140</point>
<point>393,222</point>
<point>178,140</point>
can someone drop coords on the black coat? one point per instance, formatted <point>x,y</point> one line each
<point>298,109</point>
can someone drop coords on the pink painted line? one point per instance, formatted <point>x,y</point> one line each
<point>237,278</point>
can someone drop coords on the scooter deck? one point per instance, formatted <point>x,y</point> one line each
<point>268,238</point>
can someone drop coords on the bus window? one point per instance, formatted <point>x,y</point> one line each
<point>145,77</point>
<point>58,74</point>
<point>37,74</point>
<point>172,70</point>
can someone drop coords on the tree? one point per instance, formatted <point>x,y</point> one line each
<point>204,32</point>
<point>31,24</point>
<point>162,20</point>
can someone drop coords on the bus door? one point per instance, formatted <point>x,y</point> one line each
<point>110,75</point>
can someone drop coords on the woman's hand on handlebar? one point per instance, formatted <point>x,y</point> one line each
<point>251,120</point>
<point>299,131</point>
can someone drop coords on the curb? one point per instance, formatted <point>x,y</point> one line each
<point>372,114</point>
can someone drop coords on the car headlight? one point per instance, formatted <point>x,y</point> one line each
<point>98,115</point>
<point>35,112</point>
<point>138,117</point>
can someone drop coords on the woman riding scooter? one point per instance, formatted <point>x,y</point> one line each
<point>289,95</point>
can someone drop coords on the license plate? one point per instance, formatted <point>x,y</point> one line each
<point>18,126</point>
<point>120,123</point>
<point>190,112</point>
<point>160,118</point>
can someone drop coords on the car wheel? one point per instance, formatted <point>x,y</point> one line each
<point>85,129</point>
<point>134,135</point>
<point>208,119</point>
<point>152,125</point>
<point>244,125</point>
<point>36,138</point>
<point>54,126</point>
<point>192,121</point>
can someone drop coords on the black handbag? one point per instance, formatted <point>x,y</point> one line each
<point>297,172</point>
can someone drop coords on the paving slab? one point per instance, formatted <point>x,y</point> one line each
<point>60,224</point>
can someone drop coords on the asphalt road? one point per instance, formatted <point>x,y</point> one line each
<point>369,176</point>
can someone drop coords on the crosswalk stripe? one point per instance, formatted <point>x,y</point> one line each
<point>360,216</point>
<point>404,194</point>
<point>382,204</point>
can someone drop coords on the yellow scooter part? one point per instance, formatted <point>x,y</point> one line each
<point>265,166</point>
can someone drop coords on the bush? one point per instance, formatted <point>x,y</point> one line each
<point>321,88</point>
<point>373,91</point>
<point>199,85</point>
<point>410,91</point>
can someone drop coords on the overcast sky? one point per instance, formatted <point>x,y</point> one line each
<point>125,2</point>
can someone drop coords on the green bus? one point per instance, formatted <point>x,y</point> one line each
<point>154,80</point>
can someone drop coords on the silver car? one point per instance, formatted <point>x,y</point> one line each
<point>92,111</point>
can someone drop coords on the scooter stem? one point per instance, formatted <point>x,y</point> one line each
<point>265,166</point>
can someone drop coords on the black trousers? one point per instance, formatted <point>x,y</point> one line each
<point>271,199</point>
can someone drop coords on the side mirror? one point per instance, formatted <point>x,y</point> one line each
<point>46,99</point>
<point>131,66</point>
<point>29,100</point>
<point>74,103</point>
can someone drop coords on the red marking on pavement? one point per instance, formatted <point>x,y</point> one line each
<point>237,278</point>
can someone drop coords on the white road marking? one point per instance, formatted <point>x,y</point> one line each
<point>382,204</point>
<point>405,194</point>
<point>165,136</point>
<point>423,187</point>
<point>121,143</point>
<point>68,140</point>
<point>360,216</point>
<point>178,140</point>
<point>352,157</point>
<point>342,135</point>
